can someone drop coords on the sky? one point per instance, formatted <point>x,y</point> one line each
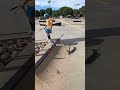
<point>56,4</point>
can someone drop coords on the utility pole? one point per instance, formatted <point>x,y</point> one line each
<point>76,5</point>
<point>76,9</point>
<point>49,6</point>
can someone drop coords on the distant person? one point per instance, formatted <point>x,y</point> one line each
<point>31,15</point>
<point>48,26</point>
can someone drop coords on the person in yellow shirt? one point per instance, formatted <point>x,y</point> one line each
<point>48,26</point>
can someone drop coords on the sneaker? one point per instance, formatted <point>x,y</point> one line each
<point>49,40</point>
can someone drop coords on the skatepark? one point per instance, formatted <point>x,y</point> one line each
<point>60,70</point>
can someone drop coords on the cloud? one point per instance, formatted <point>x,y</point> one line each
<point>60,3</point>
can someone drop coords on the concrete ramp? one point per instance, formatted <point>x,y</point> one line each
<point>52,74</point>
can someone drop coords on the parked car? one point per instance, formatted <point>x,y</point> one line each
<point>68,16</point>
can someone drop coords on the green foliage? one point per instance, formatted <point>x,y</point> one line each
<point>56,13</point>
<point>37,14</point>
<point>49,11</point>
<point>66,11</point>
<point>42,12</point>
<point>82,10</point>
<point>76,12</point>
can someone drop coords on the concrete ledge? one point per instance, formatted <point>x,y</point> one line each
<point>15,70</point>
<point>57,24</point>
<point>45,21</point>
<point>14,36</point>
<point>54,24</point>
<point>45,54</point>
<point>76,21</point>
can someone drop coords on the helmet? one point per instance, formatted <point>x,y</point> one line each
<point>46,15</point>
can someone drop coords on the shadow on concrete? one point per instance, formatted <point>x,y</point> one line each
<point>70,51</point>
<point>73,50</point>
<point>105,32</point>
<point>93,57</point>
<point>92,49</point>
<point>93,42</point>
<point>93,35</point>
<point>47,61</point>
<point>73,41</point>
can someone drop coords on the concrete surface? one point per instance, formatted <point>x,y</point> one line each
<point>52,74</point>
<point>15,65</point>
<point>103,27</point>
<point>74,36</point>
<point>13,21</point>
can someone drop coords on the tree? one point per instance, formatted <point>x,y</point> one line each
<point>76,12</point>
<point>66,11</point>
<point>82,10</point>
<point>42,12</point>
<point>62,8</point>
<point>37,14</point>
<point>49,11</point>
<point>56,13</point>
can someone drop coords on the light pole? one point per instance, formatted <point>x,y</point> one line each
<point>76,9</point>
<point>76,5</point>
<point>49,6</point>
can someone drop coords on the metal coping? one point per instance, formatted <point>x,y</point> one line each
<point>39,62</point>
